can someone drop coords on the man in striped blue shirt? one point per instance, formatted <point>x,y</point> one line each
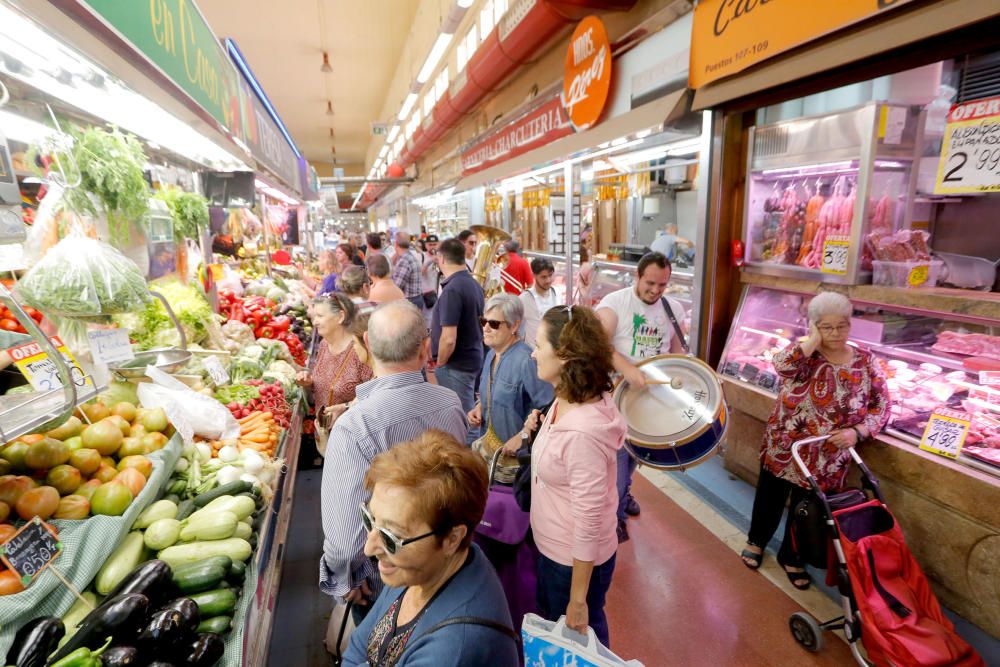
<point>395,407</point>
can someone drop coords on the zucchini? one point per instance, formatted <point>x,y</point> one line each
<point>243,531</point>
<point>184,510</point>
<point>215,603</point>
<point>220,625</point>
<point>198,578</point>
<point>239,486</point>
<point>183,554</point>
<point>122,561</point>
<point>177,486</point>
<point>241,506</point>
<point>77,613</point>
<point>237,571</point>
<point>225,562</point>
<point>173,497</point>
<point>161,509</point>
<point>162,533</point>
<point>211,526</point>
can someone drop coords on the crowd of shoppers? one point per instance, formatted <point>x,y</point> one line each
<point>422,406</point>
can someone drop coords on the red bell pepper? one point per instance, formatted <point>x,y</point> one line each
<point>281,323</point>
<point>265,332</point>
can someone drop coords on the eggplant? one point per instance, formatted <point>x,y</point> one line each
<point>204,651</point>
<point>163,632</point>
<point>121,656</point>
<point>119,617</point>
<point>188,611</point>
<point>152,579</point>
<point>35,641</point>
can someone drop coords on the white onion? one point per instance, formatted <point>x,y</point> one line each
<point>252,462</point>
<point>227,475</point>
<point>228,454</point>
<point>204,452</point>
<point>182,464</point>
<point>250,479</point>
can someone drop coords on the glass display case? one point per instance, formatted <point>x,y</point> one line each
<point>823,190</point>
<point>611,276</point>
<point>931,360</point>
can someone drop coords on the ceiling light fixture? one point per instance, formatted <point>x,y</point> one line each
<point>325,67</point>
<point>393,131</point>
<point>329,108</point>
<point>434,57</point>
<point>408,103</point>
<point>465,4</point>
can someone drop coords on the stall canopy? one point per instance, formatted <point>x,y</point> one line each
<point>652,115</point>
<point>910,24</point>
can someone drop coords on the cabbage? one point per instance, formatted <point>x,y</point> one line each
<point>119,392</point>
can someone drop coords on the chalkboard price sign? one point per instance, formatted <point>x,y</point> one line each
<point>731,368</point>
<point>31,549</point>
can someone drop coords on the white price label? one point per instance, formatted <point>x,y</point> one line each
<point>216,371</point>
<point>970,154</point>
<point>945,433</point>
<point>835,253</point>
<point>110,346</point>
<point>989,378</point>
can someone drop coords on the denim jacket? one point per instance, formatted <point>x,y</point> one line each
<point>517,390</point>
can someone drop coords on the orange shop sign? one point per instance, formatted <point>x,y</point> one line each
<point>731,35</point>
<point>587,73</point>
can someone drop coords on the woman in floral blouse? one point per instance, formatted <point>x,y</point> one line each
<point>828,388</point>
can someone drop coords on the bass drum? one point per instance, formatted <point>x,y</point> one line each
<point>679,418</point>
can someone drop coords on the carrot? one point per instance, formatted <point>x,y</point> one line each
<point>256,438</point>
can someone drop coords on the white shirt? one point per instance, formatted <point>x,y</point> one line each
<point>644,330</point>
<point>470,263</point>
<point>535,305</point>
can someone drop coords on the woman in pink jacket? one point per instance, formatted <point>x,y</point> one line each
<point>574,499</point>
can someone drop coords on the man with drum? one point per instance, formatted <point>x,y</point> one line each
<point>641,323</point>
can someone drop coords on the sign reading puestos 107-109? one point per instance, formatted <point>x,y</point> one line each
<point>587,73</point>
<point>970,151</point>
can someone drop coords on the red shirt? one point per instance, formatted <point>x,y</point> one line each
<point>517,276</point>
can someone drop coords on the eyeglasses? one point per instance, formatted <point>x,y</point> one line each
<point>842,328</point>
<point>392,543</point>
<point>494,324</point>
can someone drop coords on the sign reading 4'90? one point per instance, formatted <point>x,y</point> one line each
<point>970,150</point>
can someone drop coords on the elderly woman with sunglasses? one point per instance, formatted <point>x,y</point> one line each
<point>442,604</point>
<point>827,388</point>
<point>509,386</point>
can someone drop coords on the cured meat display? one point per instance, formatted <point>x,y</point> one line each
<point>906,245</point>
<point>834,220</point>
<point>971,344</point>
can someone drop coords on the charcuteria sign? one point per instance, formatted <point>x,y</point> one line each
<point>587,77</point>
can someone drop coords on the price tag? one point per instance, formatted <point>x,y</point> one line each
<point>216,371</point>
<point>31,549</point>
<point>989,378</point>
<point>110,346</point>
<point>970,154</point>
<point>835,252</point>
<point>767,381</point>
<point>731,368</point>
<point>40,371</point>
<point>749,372</point>
<point>945,433</point>
<point>918,275</point>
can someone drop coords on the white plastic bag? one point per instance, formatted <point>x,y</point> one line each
<point>552,643</point>
<point>191,413</point>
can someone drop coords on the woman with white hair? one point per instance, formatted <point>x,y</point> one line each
<point>827,388</point>
<point>509,388</point>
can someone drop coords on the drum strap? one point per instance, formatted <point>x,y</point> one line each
<point>677,327</point>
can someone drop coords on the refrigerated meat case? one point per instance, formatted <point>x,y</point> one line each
<point>827,187</point>
<point>932,360</point>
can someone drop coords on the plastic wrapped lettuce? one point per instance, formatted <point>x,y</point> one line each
<point>84,277</point>
<point>152,328</point>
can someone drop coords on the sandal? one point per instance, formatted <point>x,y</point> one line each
<point>755,558</point>
<point>801,580</point>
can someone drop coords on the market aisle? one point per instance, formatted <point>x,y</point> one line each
<point>302,611</point>
<point>680,597</point>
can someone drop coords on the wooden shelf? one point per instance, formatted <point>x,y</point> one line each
<point>947,302</point>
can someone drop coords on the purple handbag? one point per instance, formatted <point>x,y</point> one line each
<point>503,520</point>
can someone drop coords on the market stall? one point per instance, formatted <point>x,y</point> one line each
<point>839,166</point>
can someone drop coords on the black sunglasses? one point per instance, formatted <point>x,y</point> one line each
<point>494,324</point>
<point>392,543</point>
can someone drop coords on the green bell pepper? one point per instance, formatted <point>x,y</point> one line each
<point>84,657</point>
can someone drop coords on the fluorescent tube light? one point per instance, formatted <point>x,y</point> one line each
<point>434,57</point>
<point>393,131</point>
<point>408,103</point>
<point>22,129</point>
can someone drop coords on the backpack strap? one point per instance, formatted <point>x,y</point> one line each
<point>473,620</point>
<point>677,327</point>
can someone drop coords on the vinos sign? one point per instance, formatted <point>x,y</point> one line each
<point>587,78</point>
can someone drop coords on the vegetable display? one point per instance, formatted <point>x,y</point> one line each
<point>189,211</point>
<point>151,327</point>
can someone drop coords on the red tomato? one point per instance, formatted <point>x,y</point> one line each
<point>8,324</point>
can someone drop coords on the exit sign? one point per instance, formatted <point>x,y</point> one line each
<point>380,129</point>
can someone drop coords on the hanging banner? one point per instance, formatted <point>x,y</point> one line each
<point>587,73</point>
<point>544,124</point>
<point>731,35</point>
<point>970,151</point>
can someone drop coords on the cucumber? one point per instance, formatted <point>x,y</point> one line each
<point>215,603</point>
<point>173,497</point>
<point>198,578</point>
<point>230,489</point>
<point>220,625</point>
<point>237,571</point>
<point>185,509</point>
